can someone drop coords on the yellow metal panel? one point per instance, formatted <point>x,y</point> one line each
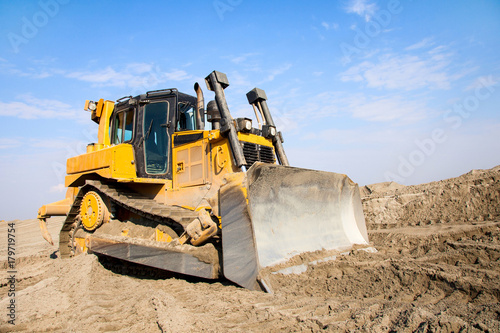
<point>214,135</point>
<point>196,159</point>
<point>259,140</point>
<point>190,164</point>
<point>89,161</point>
<point>58,208</point>
<point>222,161</point>
<point>123,163</point>
<point>152,181</point>
<point>106,109</point>
<point>181,161</point>
<point>112,162</point>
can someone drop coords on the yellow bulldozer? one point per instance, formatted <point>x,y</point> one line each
<point>163,188</point>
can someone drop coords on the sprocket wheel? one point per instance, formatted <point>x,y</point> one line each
<point>93,211</point>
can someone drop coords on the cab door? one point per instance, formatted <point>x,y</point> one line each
<point>153,147</point>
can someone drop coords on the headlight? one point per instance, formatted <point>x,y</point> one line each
<point>268,131</point>
<point>91,106</point>
<point>244,124</point>
<point>248,125</point>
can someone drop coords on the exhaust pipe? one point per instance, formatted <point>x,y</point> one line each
<point>200,107</point>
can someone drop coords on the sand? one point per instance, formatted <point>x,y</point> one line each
<point>433,265</point>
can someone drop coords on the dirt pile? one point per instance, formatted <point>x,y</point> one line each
<point>433,265</point>
<point>472,197</point>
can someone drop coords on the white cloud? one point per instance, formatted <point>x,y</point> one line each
<point>367,154</point>
<point>59,188</point>
<point>241,58</point>
<point>387,108</point>
<point>362,8</point>
<point>139,68</point>
<point>30,107</point>
<point>239,80</point>
<point>278,71</point>
<point>426,42</point>
<point>6,143</point>
<point>329,26</point>
<point>176,75</point>
<point>35,73</point>
<point>438,49</point>
<point>483,81</point>
<point>108,76</point>
<point>59,144</point>
<point>76,147</point>
<point>397,109</point>
<point>365,136</point>
<point>134,75</point>
<point>404,72</point>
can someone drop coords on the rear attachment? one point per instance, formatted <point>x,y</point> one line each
<point>274,212</point>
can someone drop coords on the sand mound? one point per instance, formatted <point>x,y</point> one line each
<point>433,266</point>
<point>472,197</point>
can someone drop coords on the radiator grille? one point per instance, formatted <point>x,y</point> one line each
<point>257,153</point>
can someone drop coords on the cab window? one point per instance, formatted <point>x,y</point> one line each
<point>187,117</point>
<point>123,127</point>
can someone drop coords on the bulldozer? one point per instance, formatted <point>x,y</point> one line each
<point>182,187</point>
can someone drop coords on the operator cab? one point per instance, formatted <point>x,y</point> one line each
<point>147,122</point>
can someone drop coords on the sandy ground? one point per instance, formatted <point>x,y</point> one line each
<point>433,265</point>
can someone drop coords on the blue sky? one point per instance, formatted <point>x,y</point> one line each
<point>379,90</point>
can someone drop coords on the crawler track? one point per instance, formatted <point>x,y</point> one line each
<point>174,217</point>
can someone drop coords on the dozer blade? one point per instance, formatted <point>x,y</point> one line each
<point>185,259</point>
<point>274,212</point>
